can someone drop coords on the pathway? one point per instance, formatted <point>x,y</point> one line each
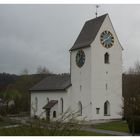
<point>114,133</point>
<point>9,126</point>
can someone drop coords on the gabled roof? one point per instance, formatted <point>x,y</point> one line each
<point>50,104</point>
<point>53,83</point>
<point>88,33</point>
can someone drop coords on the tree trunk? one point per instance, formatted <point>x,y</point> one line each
<point>133,127</point>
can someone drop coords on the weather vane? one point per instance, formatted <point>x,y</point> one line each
<point>96,13</point>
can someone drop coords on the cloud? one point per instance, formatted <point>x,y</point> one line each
<point>34,35</point>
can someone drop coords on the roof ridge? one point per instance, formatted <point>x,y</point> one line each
<point>97,17</point>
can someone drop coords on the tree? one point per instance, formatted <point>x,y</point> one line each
<point>135,69</point>
<point>131,94</point>
<point>11,94</point>
<point>25,72</point>
<point>42,70</point>
<point>17,88</point>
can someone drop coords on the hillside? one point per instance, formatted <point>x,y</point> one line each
<point>6,79</point>
<point>11,84</point>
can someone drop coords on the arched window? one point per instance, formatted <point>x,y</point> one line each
<point>107,108</point>
<point>47,100</point>
<point>36,103</point>
<point>61,105</point>
<point>54,114</point>
<point>106,58</point>
<point>80,108</point>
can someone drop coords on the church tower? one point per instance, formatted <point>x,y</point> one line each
<point>96,71</point>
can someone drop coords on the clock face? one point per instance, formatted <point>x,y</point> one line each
<point>107,39</point>
<point>80,58</point>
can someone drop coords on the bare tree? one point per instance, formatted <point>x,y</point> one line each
<point>130,71</point>
<point>24,72</point>
<point>42,70</point>
<point>135,69</point>
<point>131,93</point>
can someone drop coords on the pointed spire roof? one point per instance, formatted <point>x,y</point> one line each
<point>88,33</point>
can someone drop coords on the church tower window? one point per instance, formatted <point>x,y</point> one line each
<point>106,58</point>
<point>80,108</point>
<point>80,87</point>
<point>54,114</point>
<point>47,100</point>
<point>107,108</point>
<point>106,86</point>
<point>61,105</point>
<point>97,110</point>
<point>36,103</point>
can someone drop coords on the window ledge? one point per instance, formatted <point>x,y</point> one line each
<point>107,63</point>
<point>106,114</point>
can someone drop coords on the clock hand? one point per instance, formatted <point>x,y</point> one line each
<point>106,39</point>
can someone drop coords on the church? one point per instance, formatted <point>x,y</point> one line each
<point>93,89</point>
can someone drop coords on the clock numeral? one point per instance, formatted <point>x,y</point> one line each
<point>109,45</point>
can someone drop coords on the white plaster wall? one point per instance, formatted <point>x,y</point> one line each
<point>81,76</point>
<point>42,101</point>
<point>57,109</point>
<point>92,77</point>
<point>99,76</point>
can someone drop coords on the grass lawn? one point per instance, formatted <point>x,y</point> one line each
<point>3,124</point>
<point>28,131</point>
<point>6,123</point>
<point>120,126</point>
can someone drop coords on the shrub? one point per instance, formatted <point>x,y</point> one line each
<point>134,124</point>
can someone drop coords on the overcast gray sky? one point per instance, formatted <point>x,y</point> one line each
<point>41,35</point>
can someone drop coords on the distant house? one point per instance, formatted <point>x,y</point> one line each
<point>3,103</point>
<point>93,89</point>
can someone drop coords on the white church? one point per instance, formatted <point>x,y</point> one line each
<point>93,89</point>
